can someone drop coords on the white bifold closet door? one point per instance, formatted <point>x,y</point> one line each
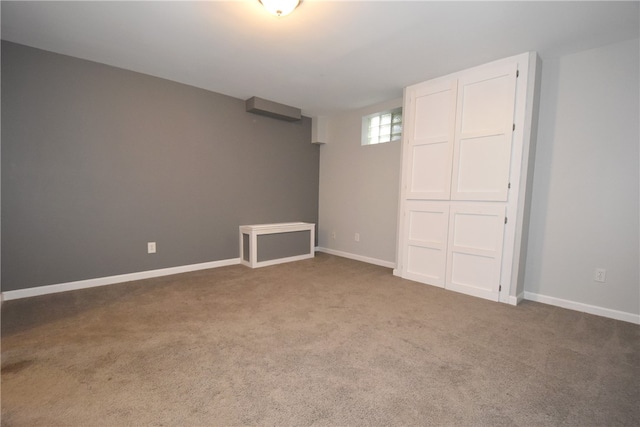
<point>474,249</point>
<point>484,127</point>
<point>458,246</point>
<point>426,229</point>
<point>432,116</point>
<point>456,179</point>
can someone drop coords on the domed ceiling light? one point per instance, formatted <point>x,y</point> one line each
<point>280,7</point>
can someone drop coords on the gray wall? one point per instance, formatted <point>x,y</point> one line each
<point>97,161</point>
<point>282,245</point>
<point>584,212</point>
<point>359,189</point>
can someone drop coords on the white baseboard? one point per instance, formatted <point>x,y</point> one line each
<point>110,280</point>
<point>515,300</point>
<point>586,308</point>
<point>366,259</point>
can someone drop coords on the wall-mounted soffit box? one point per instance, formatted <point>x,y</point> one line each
<point>318,130</point>
<point>268,108</point>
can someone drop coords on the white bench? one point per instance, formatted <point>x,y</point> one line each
<point>249,242</point>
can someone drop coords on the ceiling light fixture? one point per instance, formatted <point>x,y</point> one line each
<point>280,7</point>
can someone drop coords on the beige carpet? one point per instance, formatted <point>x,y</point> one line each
<point>327,341</point>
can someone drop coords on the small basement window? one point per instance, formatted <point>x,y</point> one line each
<point>385,126</point>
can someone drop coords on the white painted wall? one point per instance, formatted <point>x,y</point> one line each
<point>584,211</point>
<point>359,188</point>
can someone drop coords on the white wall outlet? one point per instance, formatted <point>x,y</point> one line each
<point>600,275</point>
<point>151,247</point>
<point>357,237</point>
<point>333,235</point>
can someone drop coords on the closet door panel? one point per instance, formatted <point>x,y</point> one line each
<point>485,99</point>
<point>483,168</point>
<point>429,169</point>
<point>474,250</point>
<point>426,227</point>
<point>431,135</point>
<point>483,136</point>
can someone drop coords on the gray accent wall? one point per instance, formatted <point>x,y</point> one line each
<point>97,161</point>
<point>283,245</point>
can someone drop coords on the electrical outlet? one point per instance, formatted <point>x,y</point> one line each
<point>151,247</point>
<point>333,235</point>
<point>600,275</point>
<point>357,237</point>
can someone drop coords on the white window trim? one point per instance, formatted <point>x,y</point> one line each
<point>364,140</point>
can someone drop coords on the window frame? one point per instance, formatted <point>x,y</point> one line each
<point>366,125</point>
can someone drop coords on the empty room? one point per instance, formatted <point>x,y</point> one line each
<point>341,213</point>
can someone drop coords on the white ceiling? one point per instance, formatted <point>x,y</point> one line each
<point>325,56</point>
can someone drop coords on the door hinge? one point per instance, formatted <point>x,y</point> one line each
<point>500,288</point>
<point>517,73</point>
<point>505,220</point>
<point>514,127</point>
<point>509,186</point>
